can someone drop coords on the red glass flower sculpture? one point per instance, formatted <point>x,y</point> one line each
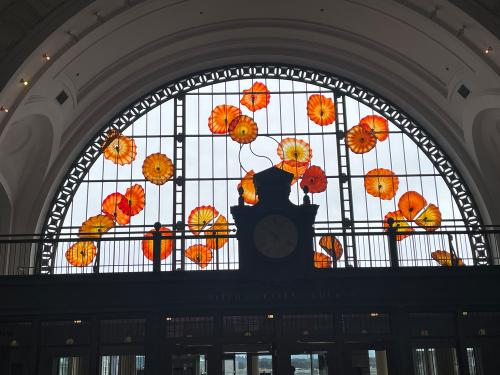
<point>200,217</point>
<point>166,244</point>
<point>243,129</point>
<point>430,218</point>
<point>293,149</point>
<point>221,116</point>
<point>444,258</point>
<point>157,168</point>
<point>400,224</point>
<point>360,140</point>
<point>220,229</point>
<point>382,183</point>
<point>134,200</point>
<point>110,206</point>
<point>378,125</point>
<point>121,150</point>
<point>94,226</point>
<point>256,97</point>
<point>332,246</point>
<point>296,168</point>
<point>322,260</point>
<point>199,254</point>
<point>321,109</point>
<point>410,204</point>
<point>81,254</point>
<point>249,193</point>
<point>315,179</point>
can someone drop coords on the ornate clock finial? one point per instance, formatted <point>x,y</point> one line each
<point>273,186</point>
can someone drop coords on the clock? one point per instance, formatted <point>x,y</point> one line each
<point>275,236</point>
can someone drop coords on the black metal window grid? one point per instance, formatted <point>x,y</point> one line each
<point>208,167</point>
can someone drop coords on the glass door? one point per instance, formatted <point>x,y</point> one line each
<point>247,361</point>
<point>311,363</point>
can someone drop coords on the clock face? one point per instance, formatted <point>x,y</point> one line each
<point>275,236</point>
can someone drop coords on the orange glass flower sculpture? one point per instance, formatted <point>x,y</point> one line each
<point>166,244</point>
<point>444,258</point>
<point>360,140</point>
<point>256,97</point>
<point>332,246</point>
<point>219,228</point>
<point>410,204</point>
<point>322,260</point>
<point>200,217</point>
<point>378,125</point>
<point>430,218</point>
<point>249,193</point>
<point>134,200</point>
<point>382,183</point>
<point>110,206</point>
<point>400,224</point>
<point>315,179</point>
<point>321,109</point>
<point>121,150</point>
<point>199,254</point>
<point>243,129</point>
<point>157,168</point>
<point>296,168</point>
<point>94,226</point>
<point>293,149</point>
<point>221,116</point>
<point>81,254</point>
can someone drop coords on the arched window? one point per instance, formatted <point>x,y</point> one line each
<point>178,155</point>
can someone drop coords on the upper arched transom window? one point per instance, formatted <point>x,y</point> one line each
<point>178,155</point>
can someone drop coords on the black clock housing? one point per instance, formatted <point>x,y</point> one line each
<point>265,229</point>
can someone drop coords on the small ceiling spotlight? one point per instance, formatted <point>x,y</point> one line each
<point>4,109</point>
<point>24,82</point>
<point>46,56</point>
<point>270,316</point>
<point>168,318</point>
<point>488,50</point>
<point>374,314</point>
<point>78,321</point>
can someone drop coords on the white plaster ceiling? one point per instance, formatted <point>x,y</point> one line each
<point>113,52</point>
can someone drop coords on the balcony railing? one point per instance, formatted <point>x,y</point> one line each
<point>125,252</point>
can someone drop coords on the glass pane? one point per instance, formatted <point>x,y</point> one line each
<point>309,364</point>
<point>70,366</point>
<point>265,364</point>
<point>189,364</point>
<point>369,362</point>
<point>435,361</point>
<point>125,364</point>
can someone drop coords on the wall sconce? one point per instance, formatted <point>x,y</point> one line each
<point>24,82</point>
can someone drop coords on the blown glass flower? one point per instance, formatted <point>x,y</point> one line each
<point>200,217</point>
<point>110,206</point>
<point>293,149</point>
<point>221,116</point>
<point>200,255</point>
<point>134,200</point>
<point>220,229</point>
<point>121,150</point>
<point>381,183</point>
<point>157,168</point>
<point>444,258</point>
<point>256,97</point>
<point>430,218</point>
<point>322,260</point>
<point>378,125</point>
<point>315,179</point>
<point>410,204</point>
<point>249,192</point>
<point>332,246</point>
<point>321,109</point>
<point>166,243</point>
<point>81,254</point>
<point>96,225</point>
<point>400,224</point>
<point>296,168</point>
<point>243,129</point>
<point>360,140</point>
